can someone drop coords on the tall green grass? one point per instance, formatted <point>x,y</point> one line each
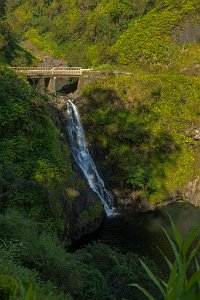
<point>182,284</point>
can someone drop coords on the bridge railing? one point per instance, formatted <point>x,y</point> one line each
<point>46,71</point>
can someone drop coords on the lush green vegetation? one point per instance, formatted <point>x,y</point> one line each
<point>10,51</point>
<point>145,129</point>
<point>37,192</point>
<point>37,189</point>
<point>35,168</point>
<point>37,182</point>
<point>159,41</point>
<point>92,26</point>
<point>181,284</point>
<point>95,272</point>
<point>144,124</point>
<point>150,34</point>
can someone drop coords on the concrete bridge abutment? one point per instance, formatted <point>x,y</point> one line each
<point>51,88</point>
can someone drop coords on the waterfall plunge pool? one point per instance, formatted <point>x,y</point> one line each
<point>141,233</point>
<point>128,232</point>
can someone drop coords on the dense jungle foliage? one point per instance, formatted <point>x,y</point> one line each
<point>10,50</point>
<point>35,166</point>
<point>144,124</point>
<point>37,187</point>
<point>155,35</point>
<point>35,173</point>
<point>32,257</point>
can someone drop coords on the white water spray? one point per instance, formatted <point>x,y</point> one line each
<point>81,154</point>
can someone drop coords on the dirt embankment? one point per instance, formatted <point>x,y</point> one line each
<point>45,59</point>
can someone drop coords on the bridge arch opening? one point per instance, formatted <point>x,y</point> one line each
<point>55,85</point>
<point>67,86</point>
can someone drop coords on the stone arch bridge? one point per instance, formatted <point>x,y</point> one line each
<point>54,79</point>
<point>50,79</point>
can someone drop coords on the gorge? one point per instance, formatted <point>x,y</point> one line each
<point>89,163</point>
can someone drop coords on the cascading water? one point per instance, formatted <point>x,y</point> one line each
<point>81,154</point>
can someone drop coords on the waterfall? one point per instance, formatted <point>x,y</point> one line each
<point>81,154</point>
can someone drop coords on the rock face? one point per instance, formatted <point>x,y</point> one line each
<point>193,133</point>
<point>135,199</point>
<point>188,33</point>
<point>82,203</point>
<point>85,213</point>
<point>191,192</point>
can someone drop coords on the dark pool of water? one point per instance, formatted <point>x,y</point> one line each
<point>142,233</point>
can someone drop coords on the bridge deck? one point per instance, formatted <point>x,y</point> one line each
<point>46,71</point>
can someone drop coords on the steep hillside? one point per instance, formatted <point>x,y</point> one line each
<point>43,202</point>
<point>149,34</point>
<point>80,31</point>
<point>147,128</point>
<point>167,38</point>
<point>10,50</point>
